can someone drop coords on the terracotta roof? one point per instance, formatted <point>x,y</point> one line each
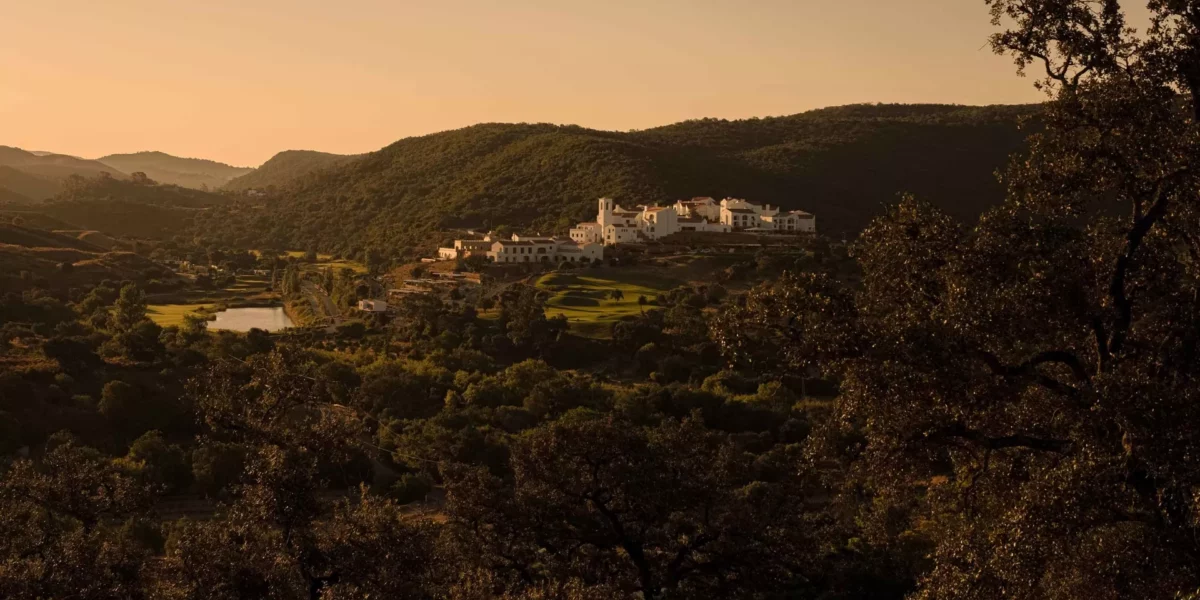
<point>512,243</point>
<point>740,210</point>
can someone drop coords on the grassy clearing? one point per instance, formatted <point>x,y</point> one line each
<point>337,265</point>
<point>295,254</point>
<point>168,309</point>
<point>166,315</point>
<point>584,298</point>
<point>323,261</point>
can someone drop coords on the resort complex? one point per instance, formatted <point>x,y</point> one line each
<point>616,225</point>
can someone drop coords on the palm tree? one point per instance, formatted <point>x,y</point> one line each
<point>642,302</point>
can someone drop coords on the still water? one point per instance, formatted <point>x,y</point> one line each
<point>245,319</point>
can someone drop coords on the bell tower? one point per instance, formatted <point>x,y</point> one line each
<point>604,214</point>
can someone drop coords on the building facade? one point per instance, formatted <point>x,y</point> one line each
<point>526,249</point>
<point>617,225</point>
<point>466,248</point>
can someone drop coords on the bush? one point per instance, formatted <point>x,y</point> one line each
<point>411,487</point>
<point>352,330</point>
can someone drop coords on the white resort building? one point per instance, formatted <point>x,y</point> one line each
<point>617,225</point>
<point>525,249</point>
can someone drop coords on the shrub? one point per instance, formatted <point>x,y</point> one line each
<point>411,487</point>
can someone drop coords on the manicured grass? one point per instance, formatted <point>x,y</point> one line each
<point>166,315</point>
<point>323,261</point>
<point>173,306</point>
<point>584,297</point>
<point>295,254</point>
<point>338,265</point>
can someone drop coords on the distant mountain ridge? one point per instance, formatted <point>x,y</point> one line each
<point>196,173</point>
<point>287,167</point>
<point>843,164</point>
<point>54,166</point>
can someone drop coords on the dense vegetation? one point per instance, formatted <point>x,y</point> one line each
<point>185,172</point>
<point>285,168</point>
<point>842,164</point>
<point>134,208</point>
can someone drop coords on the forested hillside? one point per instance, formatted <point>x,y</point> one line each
<point>187,172</point>
<point>286,167</point>
<point>129,208</point>
<point>844,164</point>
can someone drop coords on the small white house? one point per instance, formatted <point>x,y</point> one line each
<point>376,306</point>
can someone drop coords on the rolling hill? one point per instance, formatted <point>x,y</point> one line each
<point>17,235</point>
<point>34,258</point>
<point>34,220</point>
<point>186,172</point>
<point>285,168</point>
<point>8,196</point>
<point>25,187</point>
<point>53,166</point>
<point>843,164</point>
<point>129,209</point>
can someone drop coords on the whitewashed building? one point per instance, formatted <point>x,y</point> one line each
<point>372,306</point>
<point>466,248</point>
<point>617,225</point>
<point>528,249</point>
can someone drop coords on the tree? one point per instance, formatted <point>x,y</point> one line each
<point>1026,384</point>
<point>162,464</point>
<point>642,302</point>
<point>523,314</point>
<point>327,280</point>
<point>268,544</point>
<point>130,308</point>
<point>52,522</point>
<point>668,511</point>
<point>616,295</point>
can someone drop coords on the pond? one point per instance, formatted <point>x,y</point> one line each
<point>245,319</point>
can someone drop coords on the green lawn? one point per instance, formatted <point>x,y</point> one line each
<point>338,265</point>
<point>167,315</point>
<point>584,297</point>
<point>323,261</point>
<point>171,307</point>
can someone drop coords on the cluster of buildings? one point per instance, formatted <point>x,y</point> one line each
<point>617,225</point>
<point>524,248</point>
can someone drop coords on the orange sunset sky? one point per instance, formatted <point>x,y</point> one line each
<point>238,80</point>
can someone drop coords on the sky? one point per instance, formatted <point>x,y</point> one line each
<point>239,80</point>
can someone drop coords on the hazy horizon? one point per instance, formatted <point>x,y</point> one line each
<point>237,84</point>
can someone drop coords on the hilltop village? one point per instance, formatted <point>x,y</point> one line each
<point>617,225</point>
